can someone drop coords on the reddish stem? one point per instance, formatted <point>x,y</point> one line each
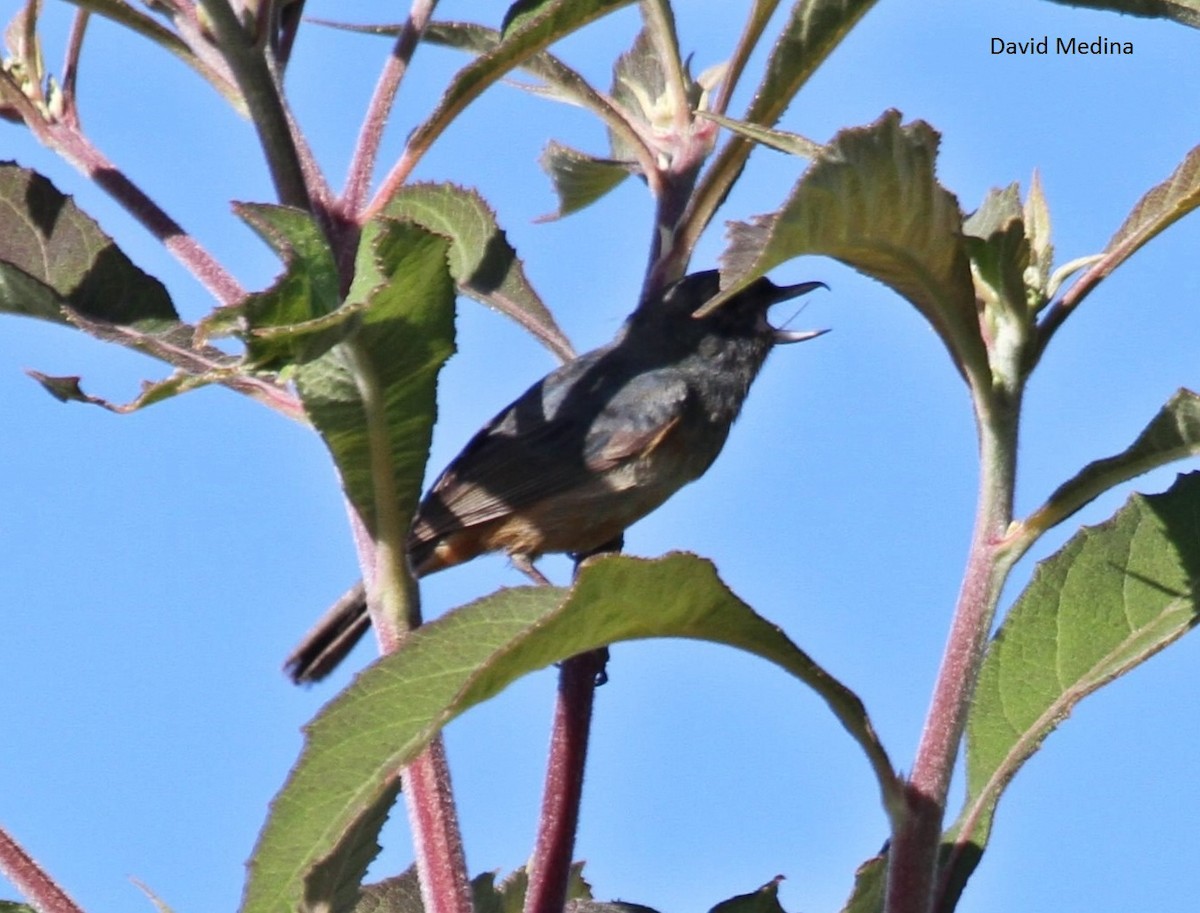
<point>31,879</point>
<point>550,866</point>
<point>437,839</point>
<point>913,856</point>
<point>371,135</point>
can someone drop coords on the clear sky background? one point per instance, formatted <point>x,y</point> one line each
<point>156,568</point>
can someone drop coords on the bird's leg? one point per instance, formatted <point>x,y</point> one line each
<point>524,564</point>
<point>611,547</point>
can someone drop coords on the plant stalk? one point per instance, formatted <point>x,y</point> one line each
<point>437,838</point>
<point>370,136</point>
<point>550,865</point>
<point>31,879</point>
<point>913,855</point>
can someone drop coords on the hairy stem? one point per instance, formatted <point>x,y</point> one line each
<point>258,85</point>
<point>550,865</point>
<point>79,151</point>
<point>441,862</point>
<point>31,879</point>
<point>913,855</point>
<point>362,165</point>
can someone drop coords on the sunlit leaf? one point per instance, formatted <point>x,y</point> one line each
<point>871,199</point>
<point>1173,434</point>
<point>483,263</point>
<point>391,711</point>
<point>779,140</point>
<point>406,334</point>
<point>283,325</point>
<point>1112,597</point>
<point>579,179</point>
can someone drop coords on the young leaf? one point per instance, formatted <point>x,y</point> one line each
<point>1000,255</point>
<point>779,140</point>
<point>1173,434</point>
<point>1041,251</point>
<point>639,87</point>
<point>529,27</point>
<point>1112,597</point>
<point>872,200</point>
<point>1186,12</point>
<point>482,262</point>
<point>813,30</point>
<point>406,334</point>
<point>397,705</point>
<point>579,179</point>
<point>1162,206</point>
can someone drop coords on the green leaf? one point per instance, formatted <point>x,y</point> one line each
<point>870,882</point>
<point>529,28</point>
<point>335,885</point>
<point>293,321</point>
<point>579,179</point>
<point>57,265</point>
<point>779,140</point>
<point>1183,11</point>
<point>509,895</point>
<point>813,30</point>
<point>392,710</point>
<point>1112,597</point>
<point>1161,207</point>
<point>1173,434</point>
<point>402,282</point>
<point>871,199</point>
<point>482,262</point>
<point>1000,256</point>
<point>399,894</point>
<point>561,82</point>
<point>54,260</point>
<point>764,900</point>
<point>1041,251</point>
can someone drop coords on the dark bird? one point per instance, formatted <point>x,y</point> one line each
<point>589,449</point>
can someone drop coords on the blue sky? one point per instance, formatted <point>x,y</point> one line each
<point>157,567</point>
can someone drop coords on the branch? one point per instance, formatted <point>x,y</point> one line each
<point>362,165</point>
<point>32,880</point>
<point>912,860</point>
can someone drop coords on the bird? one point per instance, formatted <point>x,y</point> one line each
<point>588,450</point>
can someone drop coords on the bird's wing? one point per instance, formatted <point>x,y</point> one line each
<point>638,420</point>
<point>523,456</point>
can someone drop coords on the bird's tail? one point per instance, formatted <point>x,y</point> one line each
<point>331,638</point>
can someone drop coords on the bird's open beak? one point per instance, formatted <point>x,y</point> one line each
<point>787,293</point>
